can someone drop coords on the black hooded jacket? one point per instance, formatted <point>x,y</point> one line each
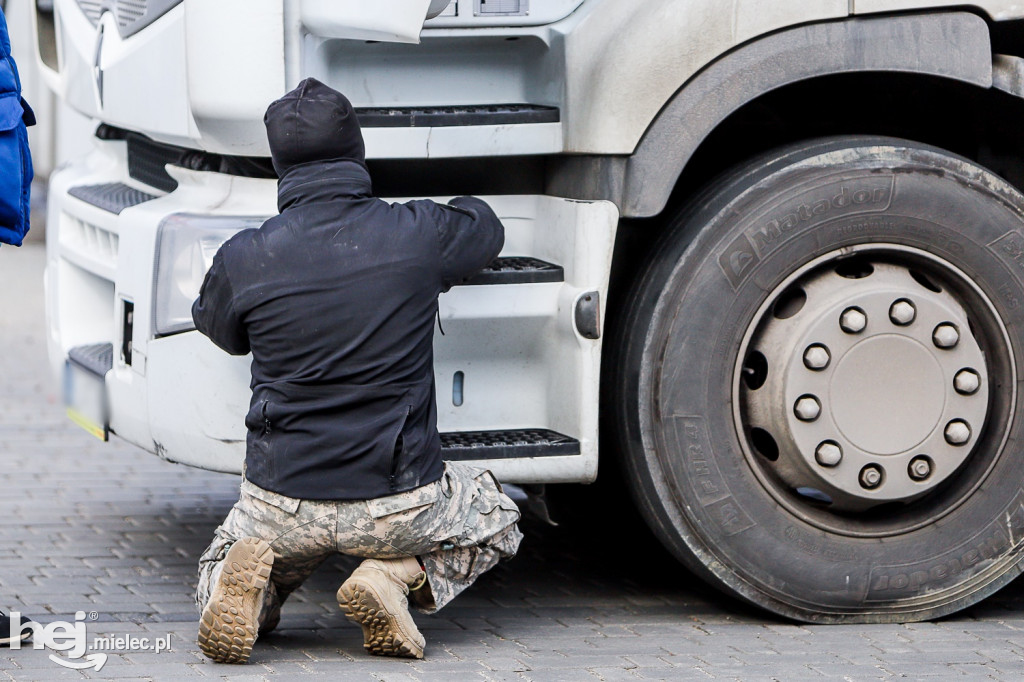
<point>336,298</point>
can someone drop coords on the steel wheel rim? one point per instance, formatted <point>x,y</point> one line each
<point>815,438</point>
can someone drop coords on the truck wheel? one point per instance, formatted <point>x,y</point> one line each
<point>816,382</point>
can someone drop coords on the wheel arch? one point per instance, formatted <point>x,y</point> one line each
<point>950,46</point>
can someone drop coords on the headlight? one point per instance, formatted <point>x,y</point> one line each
<point>185,247</point>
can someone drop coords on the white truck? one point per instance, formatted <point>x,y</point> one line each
<point>767,257</point>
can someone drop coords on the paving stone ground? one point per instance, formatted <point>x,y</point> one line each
<point>114,532</point>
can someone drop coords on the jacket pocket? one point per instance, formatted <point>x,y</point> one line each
<point>260,464</point>
<point>15,181</point>
<point>398,449</point>
<point>258,419</point>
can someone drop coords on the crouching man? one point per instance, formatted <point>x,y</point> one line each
<point>335,298</point>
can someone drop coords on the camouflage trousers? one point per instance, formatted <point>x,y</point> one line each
<point>459,527</point>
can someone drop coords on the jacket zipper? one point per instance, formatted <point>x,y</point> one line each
<point>393,459</point>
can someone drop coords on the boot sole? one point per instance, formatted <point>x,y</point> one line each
<point>381,635</point>
<point>228,627</point>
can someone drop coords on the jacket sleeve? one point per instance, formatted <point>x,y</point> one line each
<point>214,311</point>
<point>471,237</point>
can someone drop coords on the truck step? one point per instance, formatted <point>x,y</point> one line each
<point>472,445</point>
<point>467,115</point>
<point>517,270</point>
<point>96,358</point>
<point>112,197</point>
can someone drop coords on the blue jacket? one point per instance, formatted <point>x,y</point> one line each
<point>15,161</point>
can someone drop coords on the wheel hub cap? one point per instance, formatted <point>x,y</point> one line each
<point>887,394</point>
<point>875,390</point>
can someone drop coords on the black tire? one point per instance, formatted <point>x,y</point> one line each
<point>712,495</point>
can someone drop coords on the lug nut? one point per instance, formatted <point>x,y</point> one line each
<point>807,408</point>
<point>902,312</point>
<point>817,357</point>
<point>946,335</point>
<point>828,454</point>
<point>870,477</point>
<point>967,382</point>
<point>957,432</point>
<point>920,468</point>
<point>853,321</point>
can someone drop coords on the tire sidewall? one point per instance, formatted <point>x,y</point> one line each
<point>753,235</point>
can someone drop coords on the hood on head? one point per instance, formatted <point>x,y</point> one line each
<point>313,122</point>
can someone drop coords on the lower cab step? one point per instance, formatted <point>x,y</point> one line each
<point>517,270</point>
<point>460,446</point>
<point>95,358</point>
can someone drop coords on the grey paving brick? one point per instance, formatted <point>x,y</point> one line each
<point>562,675</point>
<point>952,655</point>
<point>654,661</point>
<point>283,668</point>
<point>149,669</point>
<point>848,670</point>
<point>36,676</point>
<point>446,677</point>
<point>614,674</point>
<point>506,664</point>
<point>931,669</point>
<point>394,676</point>
<point>504,677</point>
<point>1009,654</point>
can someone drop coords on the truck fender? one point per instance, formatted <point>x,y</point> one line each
<point>952,45</point>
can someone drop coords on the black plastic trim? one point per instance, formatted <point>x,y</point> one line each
<point>112,197</point>
<point>105,131</point>
<point>468,115</point>
<point>147,160</point>
<point>511,444</point>
<point>95,358</point>
<point>588,315</point>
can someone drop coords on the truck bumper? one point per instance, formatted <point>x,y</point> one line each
<point>518,356</point>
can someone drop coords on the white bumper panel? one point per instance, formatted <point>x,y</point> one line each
<point>463,141</point>
<point>523,363</point>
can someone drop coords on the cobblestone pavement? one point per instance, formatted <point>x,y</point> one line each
<point>115,532</point>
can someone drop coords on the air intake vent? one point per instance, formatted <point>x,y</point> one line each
<point>95,246</point>
<point>131,15</point>
<point>129,11</point>
<point>92,9</point>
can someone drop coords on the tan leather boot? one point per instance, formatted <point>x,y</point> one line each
<point>375,597</point>
<point>228,626</point>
